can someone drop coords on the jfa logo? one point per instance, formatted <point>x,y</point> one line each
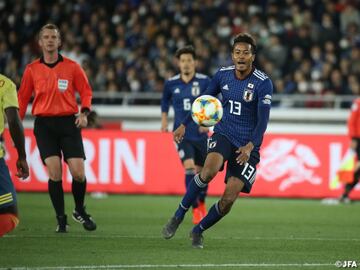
<point>346,264</point>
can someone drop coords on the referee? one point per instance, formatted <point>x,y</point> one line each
<point>53,80</point>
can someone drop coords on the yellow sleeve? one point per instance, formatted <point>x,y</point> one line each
<point>10,95</point>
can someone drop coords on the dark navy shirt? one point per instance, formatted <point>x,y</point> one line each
<point>181,96</point>
<point>246,105</point>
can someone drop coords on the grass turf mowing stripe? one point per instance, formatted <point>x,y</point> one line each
<point>140,266</point>
<point>255,238</point>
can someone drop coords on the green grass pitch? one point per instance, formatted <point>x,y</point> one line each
<point>257,234</point>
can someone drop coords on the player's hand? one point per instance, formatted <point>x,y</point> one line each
<point>203,129</point>
<point>164,127</point>
<point>244,153</point>
<point>81,121</point>
<point>353,144</point>
<point>179,133</point>
<point>22,168</point>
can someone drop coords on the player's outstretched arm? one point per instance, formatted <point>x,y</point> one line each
<point>17,134</point>
<point>164,122</point>
<point>179,133</point>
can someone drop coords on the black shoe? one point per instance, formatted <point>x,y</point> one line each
<point>344,200</point>
<point>62,224</point>
<point>170,228</point>
<point>196,240</point>
<point>85,219</point>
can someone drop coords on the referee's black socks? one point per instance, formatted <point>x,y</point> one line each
<point>56,193</point>
<point>78,191</point>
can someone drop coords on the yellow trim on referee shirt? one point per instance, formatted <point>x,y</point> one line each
<point>6,198</point>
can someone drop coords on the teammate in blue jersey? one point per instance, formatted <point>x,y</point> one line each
<point>180,91</point>
<point>237,138</point>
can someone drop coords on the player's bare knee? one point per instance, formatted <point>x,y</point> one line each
<point>79,177</point>
<point>55,175</point>
<point>225,205</point>
<point>54,171</point>
<point>207,174</point>
<point>190,170</point>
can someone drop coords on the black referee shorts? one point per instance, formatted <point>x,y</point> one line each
<point>57,136</point>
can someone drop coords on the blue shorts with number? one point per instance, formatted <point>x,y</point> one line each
<point>7,190</point>
<point>195,150</point>
<point>247,172</point>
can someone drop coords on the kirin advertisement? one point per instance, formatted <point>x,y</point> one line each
<point>292,165</point>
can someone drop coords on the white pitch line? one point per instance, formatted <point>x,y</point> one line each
<point>142,266</point>
<point>255,238</point>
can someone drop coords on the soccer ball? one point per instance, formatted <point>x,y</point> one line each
<point>206,111</point>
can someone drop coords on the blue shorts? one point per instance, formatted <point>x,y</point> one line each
<point>7,190</point>
<point>246,172</point>
<point>195,150</point>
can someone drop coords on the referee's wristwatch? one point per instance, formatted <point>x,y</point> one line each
<point>85,111</point>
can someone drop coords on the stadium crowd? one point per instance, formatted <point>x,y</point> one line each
<point>306,47</point>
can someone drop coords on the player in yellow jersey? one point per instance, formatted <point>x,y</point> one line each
<point>9,110</point>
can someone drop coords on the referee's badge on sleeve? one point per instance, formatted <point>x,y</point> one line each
<point>63,85</point>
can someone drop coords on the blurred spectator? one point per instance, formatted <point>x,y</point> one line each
<point>127,46</point>
<point>349,15</point>
<point>76,54</point>
<point>275,52</point>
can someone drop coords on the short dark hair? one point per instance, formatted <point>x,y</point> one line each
<point>51,27</point>
<point>187,49</point>
<point>245,38</point>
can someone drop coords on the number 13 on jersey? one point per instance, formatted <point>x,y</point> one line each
<point>235,107</point>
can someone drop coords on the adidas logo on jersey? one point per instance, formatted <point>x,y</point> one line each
<point>225,87</point>
<point>177,91</point>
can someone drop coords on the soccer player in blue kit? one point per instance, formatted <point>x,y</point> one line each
<point>237,138</point>
<point>180,91</point>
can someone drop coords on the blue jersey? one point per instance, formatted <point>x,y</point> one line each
<point>246,105</point>
<point>181,96</point>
